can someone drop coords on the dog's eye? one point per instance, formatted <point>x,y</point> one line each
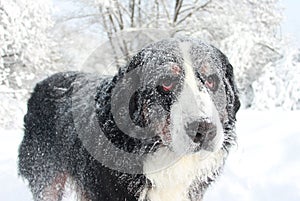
<point>167,85</point>
<point>212,82</point>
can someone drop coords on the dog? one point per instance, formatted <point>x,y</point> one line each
<point>159,130</point>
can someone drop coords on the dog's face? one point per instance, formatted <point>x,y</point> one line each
<point>179,94</point>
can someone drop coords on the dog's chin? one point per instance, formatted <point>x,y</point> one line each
<point>169,152</point>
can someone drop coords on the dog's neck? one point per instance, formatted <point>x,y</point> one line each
<point>176,182</point>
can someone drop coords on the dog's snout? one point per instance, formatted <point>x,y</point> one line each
<point>201,131</point>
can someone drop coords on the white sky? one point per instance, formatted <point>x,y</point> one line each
<point>291,22</point>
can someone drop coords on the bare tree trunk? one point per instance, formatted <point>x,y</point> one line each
<point>132,11</point>
<point>178,6</point>
<point>109,35</point>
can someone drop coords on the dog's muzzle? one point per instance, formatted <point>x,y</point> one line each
<point>202,133</point>
<point>195,125</point>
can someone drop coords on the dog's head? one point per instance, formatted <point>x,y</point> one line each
<point>176,93</point>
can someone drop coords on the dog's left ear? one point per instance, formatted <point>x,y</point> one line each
<point>233,97</point>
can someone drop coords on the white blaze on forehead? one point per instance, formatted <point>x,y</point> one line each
<point>191,86</point>
<point>191,106</point>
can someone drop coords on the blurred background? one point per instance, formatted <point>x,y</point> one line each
<point>260,38</point>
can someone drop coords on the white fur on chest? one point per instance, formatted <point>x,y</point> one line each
<point>172,183</point>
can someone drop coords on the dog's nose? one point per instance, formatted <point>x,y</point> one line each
<point>201,131</point>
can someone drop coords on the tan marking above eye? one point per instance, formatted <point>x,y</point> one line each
<point>176,70</point>
<point>204,69</point>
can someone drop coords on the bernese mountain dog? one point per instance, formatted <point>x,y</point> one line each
<point>159,130</point>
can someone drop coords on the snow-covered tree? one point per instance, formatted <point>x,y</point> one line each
<point>251,39</point>
<point>278,86</point>
<point>25,51</point>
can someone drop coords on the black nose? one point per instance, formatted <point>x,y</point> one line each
<point>201,131</point>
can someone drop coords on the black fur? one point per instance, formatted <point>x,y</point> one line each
<point>51,145</point>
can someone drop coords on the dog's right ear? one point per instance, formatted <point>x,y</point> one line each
<point>233,99</point>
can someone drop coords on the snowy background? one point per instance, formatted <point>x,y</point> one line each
<point>266,163</point>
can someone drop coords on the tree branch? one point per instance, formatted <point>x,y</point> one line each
<point>270,48</point>
<point>109,35</point>
<point>165,9</point>
<point>192,12</point>
<point>132,12</point>
<point>139,13</point>
<point>78,17</point>
<point>189,7</point>
<point>110,17</point>
<point>120,21</point>
<point>157,12</point>
<point>177,10</point>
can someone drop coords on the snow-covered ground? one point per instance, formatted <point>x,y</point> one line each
<point>264,166</point>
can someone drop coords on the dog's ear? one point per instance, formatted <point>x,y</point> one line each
<point>135,62</point>
<point>233,104</point>
<point>113,109</point>
<point>123,96</point>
